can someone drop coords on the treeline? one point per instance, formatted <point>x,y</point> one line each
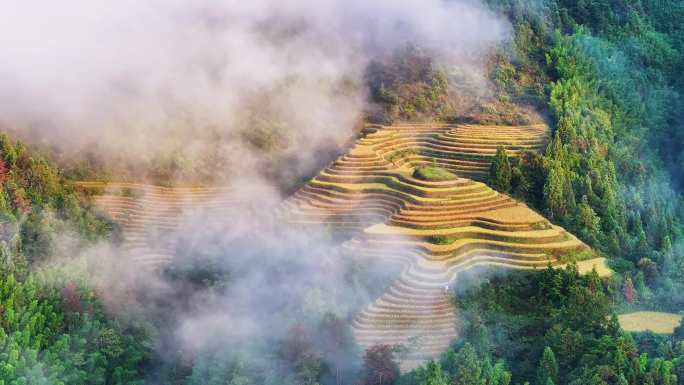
<point>559,327</point>
<point>607,76</point>
<point>37,204</point>
<point>611,172</point>
<point>52,336</point>
<point>53,329</point>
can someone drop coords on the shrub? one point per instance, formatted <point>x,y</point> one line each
<point>440,240</point>
<point>433,173</point>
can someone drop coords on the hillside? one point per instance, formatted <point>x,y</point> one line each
<point>435,229</point>
<point>149,215</point>
<point>331,192</point>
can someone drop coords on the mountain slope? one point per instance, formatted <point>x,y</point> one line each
<point>434,228</point>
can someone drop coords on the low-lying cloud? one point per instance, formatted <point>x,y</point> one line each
<point>144,80</point>
<point>132,79</point>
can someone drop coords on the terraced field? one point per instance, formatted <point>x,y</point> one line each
<point>435,229</point>
<point>384,159</point>
<point>466,150</point>
<point>147,213</point>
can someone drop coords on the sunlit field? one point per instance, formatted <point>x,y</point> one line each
<point>657,322</point>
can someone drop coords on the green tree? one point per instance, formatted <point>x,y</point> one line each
<point>557,198</point>
<point>41,344</point>
<point>548,368</point>
<point>678,335</point>
<point>431,374</point>
<point>500,172</point>
<point>588,222</point>
<point>468,369</point>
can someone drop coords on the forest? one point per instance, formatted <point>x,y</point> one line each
<point>605,75</point>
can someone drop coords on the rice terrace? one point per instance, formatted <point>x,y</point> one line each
<point>433,228</point>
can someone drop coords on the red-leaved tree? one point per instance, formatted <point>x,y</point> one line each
<point>379,367</point>
<point>628,290</point>
<point>21,201</point>
<point>70,300</point>
<point>3,173</point>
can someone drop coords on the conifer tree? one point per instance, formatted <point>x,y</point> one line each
<point>622,380</point>
<point>588,221</point>
<point>431,374</point>
<point>556,206</point>
<point>548,368</point>
<point>500,172</point>
<point>468,371</point>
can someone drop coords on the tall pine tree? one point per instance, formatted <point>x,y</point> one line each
<point>468,370</point>
<point>500,172</point>
<point>431,374</point>
<point>548,368</point>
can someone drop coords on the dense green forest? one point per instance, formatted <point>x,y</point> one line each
<point>604,74</point>
<point>611,171</point>
<point>606,77</point>
<point>54,329</point>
